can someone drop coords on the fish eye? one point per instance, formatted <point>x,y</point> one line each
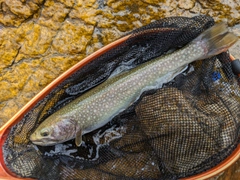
<point>44,132</point>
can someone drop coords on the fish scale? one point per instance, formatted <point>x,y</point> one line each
<point>99,105</point>
<point>117,93</point>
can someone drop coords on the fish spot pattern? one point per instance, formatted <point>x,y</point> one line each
<point>99,105</point>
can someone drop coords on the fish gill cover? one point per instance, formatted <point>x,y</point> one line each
<point>186,127</point>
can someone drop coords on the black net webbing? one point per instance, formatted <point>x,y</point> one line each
<point>188,126</point>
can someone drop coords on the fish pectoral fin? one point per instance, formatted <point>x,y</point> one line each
<point>78,139</point>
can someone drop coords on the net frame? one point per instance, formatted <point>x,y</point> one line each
<point>4,130</point>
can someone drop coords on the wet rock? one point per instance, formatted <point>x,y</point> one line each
<point>9,48</point>
<point>14,12</point>
<point>34,40</point>
<point>186,4</point>
<point>73,37</point>
<point>53,14</point>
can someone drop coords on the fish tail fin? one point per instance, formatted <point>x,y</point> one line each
<point>216,39</point>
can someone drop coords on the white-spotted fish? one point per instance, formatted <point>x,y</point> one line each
<point>99,105</point>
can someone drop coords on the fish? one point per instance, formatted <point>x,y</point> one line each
<point>98,106</point>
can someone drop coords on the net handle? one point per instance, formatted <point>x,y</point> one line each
<point>4,130</point>
<point>233,59</point>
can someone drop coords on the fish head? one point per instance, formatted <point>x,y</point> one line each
<point>54,131</point>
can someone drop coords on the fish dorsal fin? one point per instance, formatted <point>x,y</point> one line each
<point>78,139</point>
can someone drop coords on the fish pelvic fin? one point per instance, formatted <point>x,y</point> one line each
<point>78,139</point>
<point>216,39</point>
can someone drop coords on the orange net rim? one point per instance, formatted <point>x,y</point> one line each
<point>6,174</point>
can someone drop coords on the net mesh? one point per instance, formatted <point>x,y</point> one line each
<point>188,126</point>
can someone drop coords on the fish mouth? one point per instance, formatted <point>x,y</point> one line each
<point>44,143</point>
<point>47,142</point>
